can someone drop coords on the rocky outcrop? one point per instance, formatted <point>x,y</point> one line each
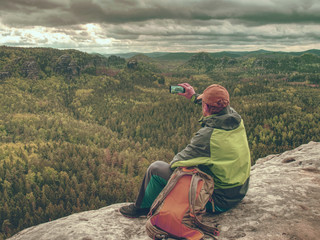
<point>30,69</point>
<point>73,69</point>
<point>4,75</point>
<point>132,64</point>
<point>66,65</point>
<point>282,203</point>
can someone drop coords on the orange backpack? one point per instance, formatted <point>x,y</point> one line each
<point>178,209</point>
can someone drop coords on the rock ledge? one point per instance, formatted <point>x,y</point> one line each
<point>282,203</point>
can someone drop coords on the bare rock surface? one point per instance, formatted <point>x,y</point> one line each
<point>282,203</point>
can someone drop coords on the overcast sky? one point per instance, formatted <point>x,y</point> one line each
<point>115,26</point>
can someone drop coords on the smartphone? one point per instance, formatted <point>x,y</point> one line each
<point>177,89</point>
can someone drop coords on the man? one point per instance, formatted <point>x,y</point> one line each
<point>219,148</point>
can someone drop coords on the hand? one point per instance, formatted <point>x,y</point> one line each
<point>189,91</point>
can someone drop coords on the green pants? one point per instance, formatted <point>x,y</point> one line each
<point>154,181</point>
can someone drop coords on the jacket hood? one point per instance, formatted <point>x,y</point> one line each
<point>227,119</point>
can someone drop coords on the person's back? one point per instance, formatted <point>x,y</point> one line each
<point>220,148</point>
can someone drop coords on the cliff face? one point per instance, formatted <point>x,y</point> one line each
<point>282,203</point>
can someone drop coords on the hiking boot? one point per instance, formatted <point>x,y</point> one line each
<point>131,211</point>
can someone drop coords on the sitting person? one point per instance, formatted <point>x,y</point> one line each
<point>220,149</point>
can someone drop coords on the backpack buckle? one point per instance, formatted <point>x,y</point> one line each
<point>216,232</point>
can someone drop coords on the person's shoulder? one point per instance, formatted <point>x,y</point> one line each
<point>204,131</point>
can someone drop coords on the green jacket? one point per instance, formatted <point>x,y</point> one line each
<point>220,148</point>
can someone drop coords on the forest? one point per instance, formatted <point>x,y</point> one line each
<point>78,130</point>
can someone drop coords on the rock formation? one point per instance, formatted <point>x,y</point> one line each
<point>30,69</point>
<point>132,64</point>
<point>282,203</point>
<point>66,65</point>
<point>4,75</point>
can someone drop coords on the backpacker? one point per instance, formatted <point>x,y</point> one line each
<point>177,211</point>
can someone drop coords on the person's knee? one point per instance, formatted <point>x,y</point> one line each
<point>156,166</point>
<point>160,168</point>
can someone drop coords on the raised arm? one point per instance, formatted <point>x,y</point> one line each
<point>190,93</point>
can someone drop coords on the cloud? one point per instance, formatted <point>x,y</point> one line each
<point>57,13</point>
<point>146,25</point>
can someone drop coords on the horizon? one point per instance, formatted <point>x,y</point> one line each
<point>115,27</point>
<point>258,50</point>
<point>189,52</point>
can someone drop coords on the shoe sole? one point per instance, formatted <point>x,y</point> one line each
<point>128,216</point>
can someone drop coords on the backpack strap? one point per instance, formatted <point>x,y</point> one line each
<point>209,230</point>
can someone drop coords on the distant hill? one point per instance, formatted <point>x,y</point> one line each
<point>206,62</point>
<point>39,63</point>
<point>123,55</point>
<point>200,62</point>
<point>238,54</point>
<point>142,58</point>
<point>143,62</point>
<point>185,56</point>
<point>132,54</point>
<point>262,52</point>
<point>312,51</point>
<point>261,61</point>
<point>176,56</point>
